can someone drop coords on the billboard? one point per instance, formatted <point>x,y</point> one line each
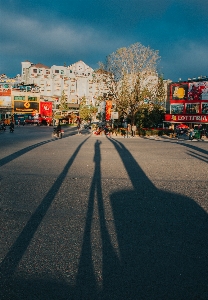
<point>198,91</point>
<point>5,101</point>
<point>26,107</point>
<point>46,109</point>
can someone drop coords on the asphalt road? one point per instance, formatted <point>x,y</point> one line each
<point>88,217</point>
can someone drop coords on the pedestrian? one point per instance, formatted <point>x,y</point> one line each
<point>78,124</point>
<point>133,129</point>
<point>58,129</point>
<point>18,123</point>
<point>11,126</point>
<point>128,130</point>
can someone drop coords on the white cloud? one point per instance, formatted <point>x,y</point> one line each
<point>25,34</point>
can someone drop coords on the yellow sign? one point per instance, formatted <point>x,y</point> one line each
<point>179,92</point>
<point>27,105</point>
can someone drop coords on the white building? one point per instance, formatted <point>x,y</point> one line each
<point>77,80</point>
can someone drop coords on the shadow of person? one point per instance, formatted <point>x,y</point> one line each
<point>86,282</point>
<point>162,240</point>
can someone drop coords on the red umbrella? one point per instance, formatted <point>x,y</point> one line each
<point>183,126</point>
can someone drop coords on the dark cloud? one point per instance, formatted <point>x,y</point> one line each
<point>58,32</point>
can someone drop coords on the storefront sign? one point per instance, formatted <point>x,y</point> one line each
<point>114,115</point>
<point>26,106</point>
<point>186,118</point>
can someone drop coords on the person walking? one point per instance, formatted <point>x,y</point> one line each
<point>128,130</point>
<point>11,126</point>
<point>133,129</point>
<point>78,124</point>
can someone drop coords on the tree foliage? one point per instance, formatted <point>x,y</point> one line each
<point>87,112</point>
<point>63,102</point>
<point>131,60</point>
<point>140,92</point>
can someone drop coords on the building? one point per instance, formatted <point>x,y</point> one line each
<point>76,81</point>
<point>188,103</point>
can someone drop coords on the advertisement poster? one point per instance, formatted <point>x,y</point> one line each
<point>179,91</point>
<point>198,91</point>
<point>46,109</point>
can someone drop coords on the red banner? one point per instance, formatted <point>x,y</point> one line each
<point>186,118</point>
<point>46,109</point>
<point>108,107</point>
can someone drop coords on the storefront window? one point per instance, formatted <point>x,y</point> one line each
<point>32,98</point>
<point>205,108</point>
<point>176,108</point>
<point>19,97</point>
<point>192,108</point>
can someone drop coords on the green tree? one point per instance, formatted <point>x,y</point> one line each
<point>63,102</point>
<point>132,68</point>
<point>86,112</point>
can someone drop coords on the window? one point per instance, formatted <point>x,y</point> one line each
<point>32,98</point>
<point>192,108</point>
<point>56,71</point>
<point>205,108</point>
<point>47,71</point>
<point>176,108</point>
<point>35,70</point>
<point>62,71</point>
<point>19,97</point>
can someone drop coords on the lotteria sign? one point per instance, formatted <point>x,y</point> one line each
<point>186,118</point>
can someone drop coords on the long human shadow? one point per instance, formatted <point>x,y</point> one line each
<point>163,240</point>
<point>23,151</point>
<point>86,284</point>
<point>187,145</point>
<point>17,250</point>
<point>198,156</point>
<point>202,155</point>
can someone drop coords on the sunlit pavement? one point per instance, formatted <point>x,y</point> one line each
<point>93,217</point>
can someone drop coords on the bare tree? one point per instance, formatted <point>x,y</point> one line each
<point>131,60</point>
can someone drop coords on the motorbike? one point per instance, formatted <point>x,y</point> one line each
<point>57,133</point>
<point>3,127</point>
<point>11,129</point>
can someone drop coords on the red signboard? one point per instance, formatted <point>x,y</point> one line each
<point>46,109</point>
<point>108,110</point>
<point>186,118</point>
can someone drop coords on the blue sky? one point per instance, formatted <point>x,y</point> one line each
<point>57,32</point>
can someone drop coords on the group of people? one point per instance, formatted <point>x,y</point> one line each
<point>131,130</point>
<point>3,126</point>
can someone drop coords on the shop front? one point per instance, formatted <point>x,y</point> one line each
<point>188,105</point>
